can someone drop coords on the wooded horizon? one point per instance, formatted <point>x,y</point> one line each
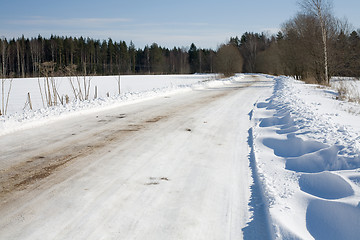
<point>313,46</point>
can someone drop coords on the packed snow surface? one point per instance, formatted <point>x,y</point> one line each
<point>171,167</point>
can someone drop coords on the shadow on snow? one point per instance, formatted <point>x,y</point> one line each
<point>258,227</point>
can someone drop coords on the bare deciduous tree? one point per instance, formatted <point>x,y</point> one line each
<point>5,93</point>
<point>300,50</point>
<point>322,10</point>
<point>229,60</point>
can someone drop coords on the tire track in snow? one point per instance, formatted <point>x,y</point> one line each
<point>109,129</point>
<point>124,194</point>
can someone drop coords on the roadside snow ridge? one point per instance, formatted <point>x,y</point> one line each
<point>310,163</point>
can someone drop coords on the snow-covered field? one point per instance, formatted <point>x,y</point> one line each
<point>306,146</point>
<point>132,88</point>
<point>300,144</point>
<point>106,85</point>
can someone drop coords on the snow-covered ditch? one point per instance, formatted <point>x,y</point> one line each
<point>306,146</point>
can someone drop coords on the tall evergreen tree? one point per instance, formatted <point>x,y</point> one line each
<point>194,58</point>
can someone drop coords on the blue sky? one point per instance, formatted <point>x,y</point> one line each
<point>207,23</point>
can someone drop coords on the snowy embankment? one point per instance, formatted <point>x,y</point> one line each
<point>134,88</point>
<point>306,147</point>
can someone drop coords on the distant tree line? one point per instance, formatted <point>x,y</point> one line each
<point>24,57</point>
<point>294,51</point>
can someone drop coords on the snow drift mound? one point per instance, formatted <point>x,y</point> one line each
<point>333,220</point>
<point>318,161</point>
<point>332,145</point>
<point>300,132</point>
<point>292,146</point>
<point>325,185</point>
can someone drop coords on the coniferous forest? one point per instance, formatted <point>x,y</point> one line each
<point>24,57</point>
<point>286,53</point>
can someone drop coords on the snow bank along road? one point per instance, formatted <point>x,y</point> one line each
<point>174,167</point>
<point>307,151</point>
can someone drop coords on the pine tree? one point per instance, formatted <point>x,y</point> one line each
<point>193,58</point>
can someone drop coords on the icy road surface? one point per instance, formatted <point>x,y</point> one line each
<point>174,167</point>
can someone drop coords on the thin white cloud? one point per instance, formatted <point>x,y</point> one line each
<point>168,34</point>
<point>172,24</point>
<point>67,22</point>
<point>102,24</point>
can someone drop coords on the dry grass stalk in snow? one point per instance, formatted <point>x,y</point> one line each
<point>79,84</point>
<point>5,95</point>
<point>348,91</point>
<point>49,89</point>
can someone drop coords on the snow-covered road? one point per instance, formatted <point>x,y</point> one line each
<point>175,167</point>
